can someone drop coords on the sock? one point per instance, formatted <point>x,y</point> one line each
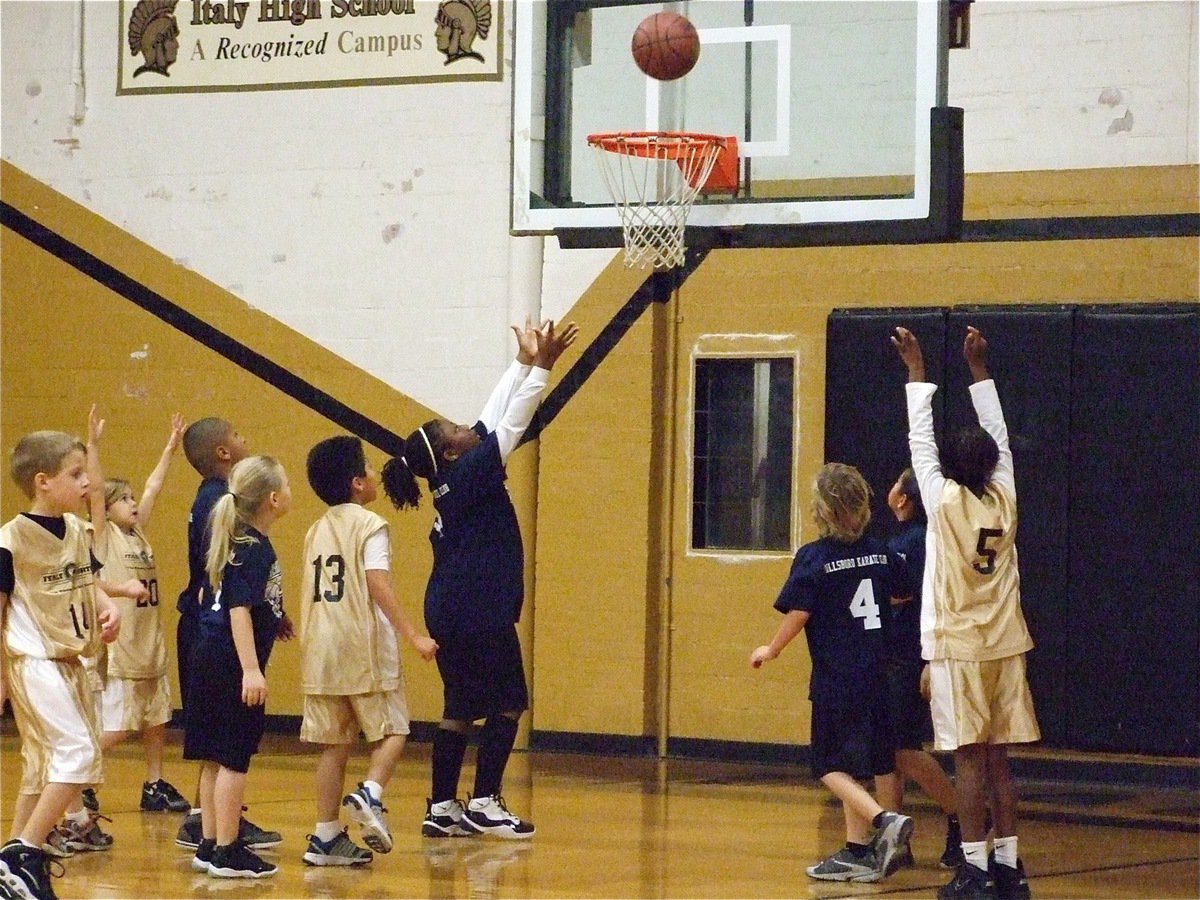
<point>495,746</point>
<point>1005,849</point>
<point>375,789</point>
<point>24,844</point>
<point>449,747</point>
<point>326,831</point>
<point>79,818</point>
<point>858,850</point>
<point>975,852</point>
<point>194,811</point>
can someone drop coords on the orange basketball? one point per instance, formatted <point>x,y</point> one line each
<point>666,46</point>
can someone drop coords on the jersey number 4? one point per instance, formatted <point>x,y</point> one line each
<point>863,606</point>
<point>336,571</point>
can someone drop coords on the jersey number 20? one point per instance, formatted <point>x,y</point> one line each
<point>337,577</point>
<point>863,606</point>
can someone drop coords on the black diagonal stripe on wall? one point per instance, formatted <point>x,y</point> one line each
<point>657,288</point>
<point>235,351</point>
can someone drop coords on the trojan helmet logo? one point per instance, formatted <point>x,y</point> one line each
<point>459,22</point>
<point>154,33</point>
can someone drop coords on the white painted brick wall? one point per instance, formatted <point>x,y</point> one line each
<point>375,219</point>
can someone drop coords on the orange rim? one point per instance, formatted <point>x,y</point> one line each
<point>655,144</point>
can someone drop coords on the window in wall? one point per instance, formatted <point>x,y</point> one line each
<point>742,446</point>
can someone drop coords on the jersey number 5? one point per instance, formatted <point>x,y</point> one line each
<point>863,606</point>
<point>986,564</point>
<point>337,577</point>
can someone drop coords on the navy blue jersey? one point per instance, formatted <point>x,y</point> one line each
<point>478,578</point>
<point>845,589</point>
<point>253,579</point>
<point>198,590</point>
<point>904,637</point>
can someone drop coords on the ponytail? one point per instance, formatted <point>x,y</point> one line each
<point>399,475</point>
<point>251,481</point>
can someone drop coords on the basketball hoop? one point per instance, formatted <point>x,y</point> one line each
<point>654,177</point>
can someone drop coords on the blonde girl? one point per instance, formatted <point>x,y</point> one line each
<point>225,710</point>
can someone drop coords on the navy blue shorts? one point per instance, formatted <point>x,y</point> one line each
<point>912,723</point>
<point>482,674</point>
<point>853,735</point>
<point>217,726</point>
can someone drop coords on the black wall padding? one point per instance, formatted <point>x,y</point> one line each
<point>1029,357</point>
<point>866,420</point>
<point>1133,629</point>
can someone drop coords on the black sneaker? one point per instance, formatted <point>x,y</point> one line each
<point>969,883</point>
<point>446,820</point>
<point>189,833</point>
<point>90,800</point>
<point>257,838</point>
<point>1011,884</point>
<point>204,854</point>
<point>952,856</point>
<point>890,840</point>
<point>25,872</point>
<point>341,851</point>
<point>236,860</point>
<point>159,796</point>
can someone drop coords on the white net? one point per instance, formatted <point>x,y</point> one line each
<point>654,179</point>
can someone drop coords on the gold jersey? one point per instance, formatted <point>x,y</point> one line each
<point>51,613</point>
<point>347,646</point>
<point>140,650</point>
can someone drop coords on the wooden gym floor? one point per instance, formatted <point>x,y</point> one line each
<point>630,828</point>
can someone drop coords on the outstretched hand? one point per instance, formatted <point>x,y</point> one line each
<point>975,353</point>
<point>527,341</point>
<point>178,426</point>
<point>95,425</point>
<point>551,343</point>
<point>909,348</point>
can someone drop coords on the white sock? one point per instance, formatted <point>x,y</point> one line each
<point>1006,851</point>
<point>327,831</point>
<point>194,811</point>
<point>375,790</point>
<point>442,807</point>
<point>975,852</point>
<point>79,818</point>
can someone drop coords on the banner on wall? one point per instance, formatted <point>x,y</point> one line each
<point>188,46</point>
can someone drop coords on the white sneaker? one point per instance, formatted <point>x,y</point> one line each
<point>445,819</point>
<point>489,815</point>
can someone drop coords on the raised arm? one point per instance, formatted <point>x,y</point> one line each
<point>922,446</point>
<point>986,401</point>
<point>95,473</point>
<point>156,478</point>
<point>505,390</point>
<point>550,346</point>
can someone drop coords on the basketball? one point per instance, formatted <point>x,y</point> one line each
<point>666,46</point>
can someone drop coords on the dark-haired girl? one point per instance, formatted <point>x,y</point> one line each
<point>475,591</point>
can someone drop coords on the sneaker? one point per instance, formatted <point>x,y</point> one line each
<point>204,854</point>
<point>904,860</point>
<point>368,813</point>
<point>1011,884</point>
<point>952,856</point>
<point>236,860</point>
<point>90,801</point>
<point>845,866</point>
<point>160,795</point>
<point>25,872</point>
<point>489,815</point>
<point>189,833</point>
<point>87,836</point>
<point>890,840</point>
<point>56,844</point>
<point>341,851</point>
<point>257,838</point>
<point>969,883</point>
<point>445,819</point>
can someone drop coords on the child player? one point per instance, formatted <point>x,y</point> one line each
<point>837,594</point>
<point>350,658</point>
<point>52,612</point>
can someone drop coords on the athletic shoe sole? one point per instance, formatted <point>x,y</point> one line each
<point>321,859</point>
<point>373,834</point>
<point>239,873</point>
<point>503,830</point>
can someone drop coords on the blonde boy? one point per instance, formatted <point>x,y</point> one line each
<point>52,612</point>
